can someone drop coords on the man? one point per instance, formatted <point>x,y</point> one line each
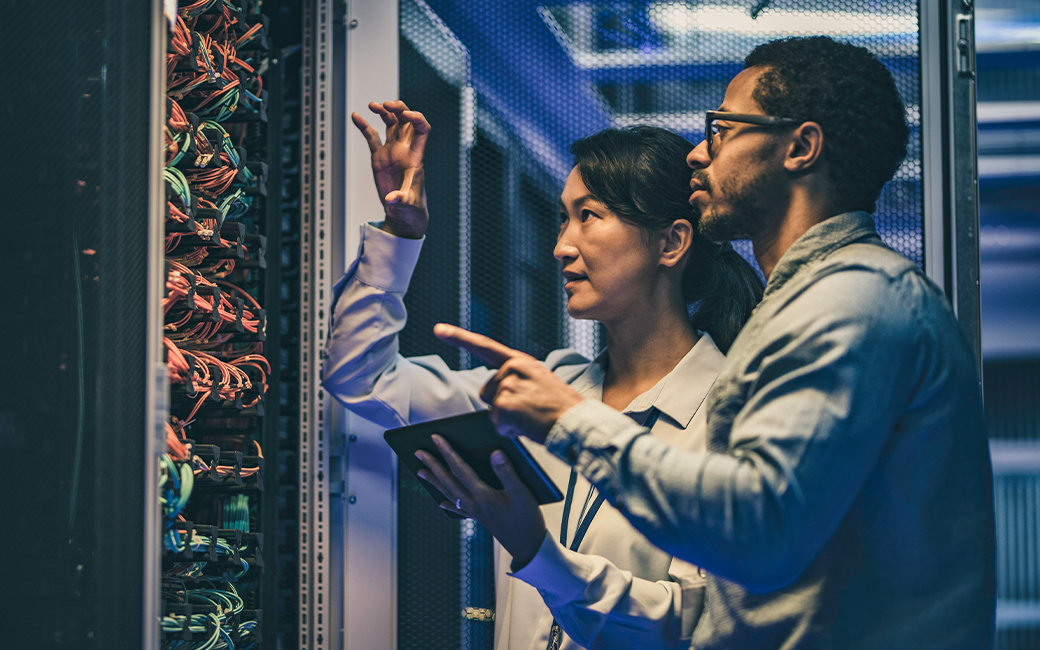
<point>845,497</point>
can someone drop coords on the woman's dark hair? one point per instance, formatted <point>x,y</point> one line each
<point>640,173</point>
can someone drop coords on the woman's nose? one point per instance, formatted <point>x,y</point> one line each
<point>565,248</point>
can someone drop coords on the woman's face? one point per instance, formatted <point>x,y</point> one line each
<point>608,269</point>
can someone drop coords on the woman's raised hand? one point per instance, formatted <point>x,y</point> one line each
<point>397,166</point>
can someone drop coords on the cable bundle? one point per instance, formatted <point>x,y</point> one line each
<point>236,512</point>
<point>205,66</point>
<point>217,627</point>
<point>213,324</point>
<point>208,375</point>
<point>195,295</point>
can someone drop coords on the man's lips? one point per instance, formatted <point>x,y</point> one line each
<point>698,184</point>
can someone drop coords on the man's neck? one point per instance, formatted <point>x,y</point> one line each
<point>801,214</point>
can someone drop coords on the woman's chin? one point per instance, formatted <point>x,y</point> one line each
<point>578,311</point>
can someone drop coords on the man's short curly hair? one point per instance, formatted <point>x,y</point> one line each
<point>851,95</point>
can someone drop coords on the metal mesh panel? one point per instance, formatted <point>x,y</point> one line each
<point>428,542</point>
<point>73,348</point>
<point>535,77</point>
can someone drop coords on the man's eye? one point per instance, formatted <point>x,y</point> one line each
<point>586,215</point>
<point>563,218</point>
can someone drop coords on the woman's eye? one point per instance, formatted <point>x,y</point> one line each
<point>586,215</point>
<point>563,218</point>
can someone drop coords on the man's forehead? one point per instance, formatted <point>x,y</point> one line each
<point>739,94</point>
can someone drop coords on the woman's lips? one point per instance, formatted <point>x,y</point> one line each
<point>572,281</point>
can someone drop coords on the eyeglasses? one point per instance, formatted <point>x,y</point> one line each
<point>767,121</point>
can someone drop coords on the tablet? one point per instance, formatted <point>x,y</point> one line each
<point>473,437</point>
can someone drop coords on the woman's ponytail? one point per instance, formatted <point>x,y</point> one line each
<point>722,289</point>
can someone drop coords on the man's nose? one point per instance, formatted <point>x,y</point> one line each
<point>698,158</point>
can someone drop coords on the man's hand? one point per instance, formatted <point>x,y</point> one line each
<point>526,398</point>
<point>397,166</point>
<point>511,514</point>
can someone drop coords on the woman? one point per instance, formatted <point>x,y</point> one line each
<point>632,260</point>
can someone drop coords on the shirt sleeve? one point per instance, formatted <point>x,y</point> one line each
<point>828,381</point>
<point>363,368</point>
<point>600,605</point>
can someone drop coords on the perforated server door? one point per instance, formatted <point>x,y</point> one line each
<point>83,379</point>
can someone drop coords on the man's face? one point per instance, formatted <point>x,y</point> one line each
<point>737,189</point>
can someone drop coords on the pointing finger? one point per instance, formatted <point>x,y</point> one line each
<point>486,349</point>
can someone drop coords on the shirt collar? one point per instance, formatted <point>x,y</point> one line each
<point>678,395</point>
<point>818,242</point>
<point>590,382</point>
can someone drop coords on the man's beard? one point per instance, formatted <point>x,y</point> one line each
<point>742,218</point>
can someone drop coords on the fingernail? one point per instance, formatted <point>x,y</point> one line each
<point>498,458</point>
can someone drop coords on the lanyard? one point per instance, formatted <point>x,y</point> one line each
<point>584,521</point>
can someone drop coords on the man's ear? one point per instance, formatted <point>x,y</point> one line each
<point>677,239</point>
<point>805,148</point>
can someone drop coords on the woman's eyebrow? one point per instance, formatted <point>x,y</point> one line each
<point>578,201</point>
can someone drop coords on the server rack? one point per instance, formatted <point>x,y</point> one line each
<point>223,327</point>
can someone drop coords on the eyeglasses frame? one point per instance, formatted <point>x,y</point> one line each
<point>769,121</point>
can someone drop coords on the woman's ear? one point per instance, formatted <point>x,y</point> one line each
<point>677,239</point>
<point>805,148</point>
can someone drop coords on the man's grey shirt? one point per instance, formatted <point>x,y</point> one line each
<point>845,500</point>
